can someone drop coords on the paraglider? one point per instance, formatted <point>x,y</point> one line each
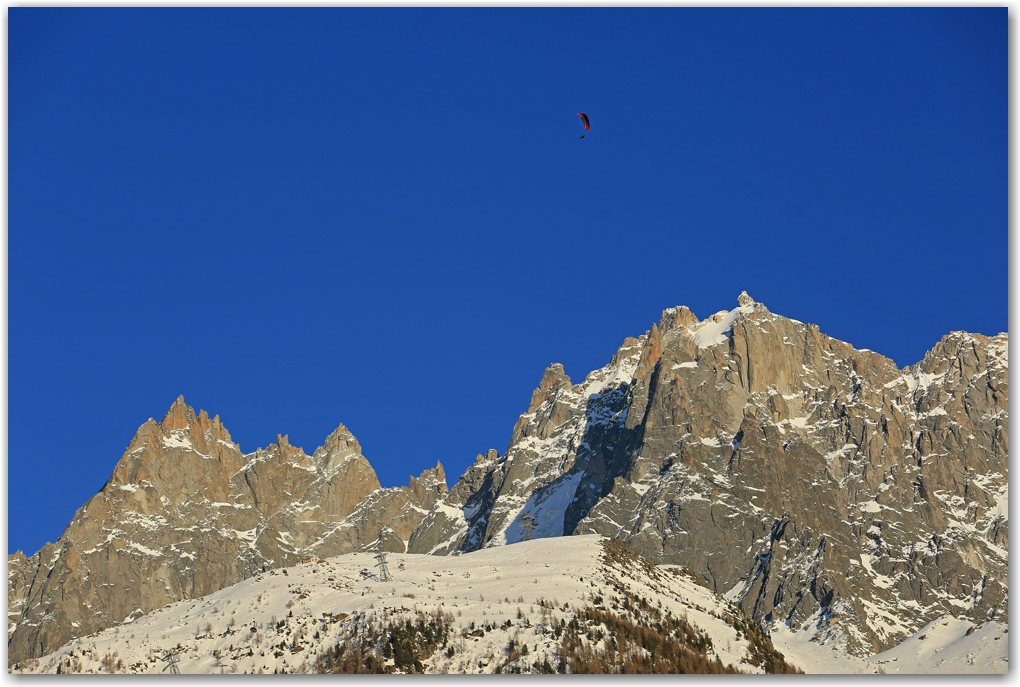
<point>584,120</point>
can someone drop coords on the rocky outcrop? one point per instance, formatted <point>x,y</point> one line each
<point>20,573</point>
<point>185,513</point>
<point>816,484</point>
<point>812,483</point>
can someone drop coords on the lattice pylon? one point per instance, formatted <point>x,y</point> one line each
<point>171,659</point>
<point>384,571</point>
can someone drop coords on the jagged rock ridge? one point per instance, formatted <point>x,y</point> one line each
<point>816,484</point>
<point>185,514</point>
<point>812,483</point>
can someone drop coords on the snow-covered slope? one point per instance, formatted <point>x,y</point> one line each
<point>283,620</point>
<point>496,599</point>
<point>947,646</point>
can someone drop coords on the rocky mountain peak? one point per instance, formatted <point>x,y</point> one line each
<point>552,376</point>
<point>185,513</point>
<point>283,450</point>
<point>181,424</point>
<point>554,379</point>
<point>630,347</point>
<point>212,428</point>
<point>179,416</point>
<point>341,439</point>
<point>487,457</point>
<point>436,475</point>
<point>676,317</point>
<point>341,447</point>
<point>817,486</point>
<point>813,483</point>
<point>430,485</point>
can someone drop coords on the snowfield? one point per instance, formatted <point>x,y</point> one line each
<point>299,612</point>
<point>284,619</point>
<point>943,646</point>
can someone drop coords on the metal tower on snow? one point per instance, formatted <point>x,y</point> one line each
<point>171,659</point>
<point>384,571</point>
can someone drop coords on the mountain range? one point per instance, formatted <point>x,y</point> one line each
<point>818,488</point>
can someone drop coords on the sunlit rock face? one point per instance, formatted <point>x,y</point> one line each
<point>185,513</point>
<point>809,482</point>
<point>816,484</point>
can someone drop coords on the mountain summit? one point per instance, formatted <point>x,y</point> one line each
<point>185,514</point>
<point>815,485</point>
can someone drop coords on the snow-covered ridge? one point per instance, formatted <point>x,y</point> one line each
<point>944,646</point>
<point>283,619</point>
<point>713,330</point>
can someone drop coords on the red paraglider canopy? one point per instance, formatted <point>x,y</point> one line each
<point>584,118</point>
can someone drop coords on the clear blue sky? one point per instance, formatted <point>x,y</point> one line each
<point>387,217</point>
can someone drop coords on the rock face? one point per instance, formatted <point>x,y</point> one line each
<point>811,483</point>
<point>185,513</point>
<point>815,484</point>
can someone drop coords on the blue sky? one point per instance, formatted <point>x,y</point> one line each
<point>387,217</point>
